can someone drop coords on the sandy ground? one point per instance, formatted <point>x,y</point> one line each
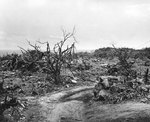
<point>74,106</point>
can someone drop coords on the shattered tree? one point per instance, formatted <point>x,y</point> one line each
<point>52,61</point>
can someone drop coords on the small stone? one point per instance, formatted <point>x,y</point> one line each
<point>144,100</point>
<point>74,81</point>
<point>148,96</point>
<point>103,94</point>
<point>106,83</point>
<point>144,88</point>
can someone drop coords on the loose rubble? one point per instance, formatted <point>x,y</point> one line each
<point>108,90</point>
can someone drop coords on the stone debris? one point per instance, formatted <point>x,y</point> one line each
<point>114,91</point>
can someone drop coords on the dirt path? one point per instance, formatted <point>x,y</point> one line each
<point>64,105</point>
<point>74,106</point>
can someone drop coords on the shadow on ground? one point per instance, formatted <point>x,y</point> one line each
<point>76,105</point>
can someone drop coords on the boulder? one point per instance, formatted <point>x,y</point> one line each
<point>106,83</point>
<point>103,95</point>
<point>144,100</point>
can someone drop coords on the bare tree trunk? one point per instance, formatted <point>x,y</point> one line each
<point>146,76</point>
<point>57,78</point>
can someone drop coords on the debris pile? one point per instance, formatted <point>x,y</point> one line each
<point>113,91</point>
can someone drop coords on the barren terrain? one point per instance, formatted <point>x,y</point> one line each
<point>89,89</point>
<point>76,105</point>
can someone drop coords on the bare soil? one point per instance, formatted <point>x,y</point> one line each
<point>76,105</point>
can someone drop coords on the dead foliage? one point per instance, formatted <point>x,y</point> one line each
<point>52,61</point>
<point>9,101</point>
<point>124,67</point>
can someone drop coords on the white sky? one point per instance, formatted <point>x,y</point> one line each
<point>99,23</point>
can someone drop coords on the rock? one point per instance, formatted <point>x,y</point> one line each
<point>143,88</point>
<point>140,81</point>
<point>98,86</point>
<point>144,100</point>
<point>75,78</point>
<point>102,95</point>
<point>106,83</point>
<point>97,89</point>
<point>104,65</point>
<point>148,96</point>
<point>74,81</point>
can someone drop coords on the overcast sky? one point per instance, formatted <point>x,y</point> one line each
<point>98,23</point>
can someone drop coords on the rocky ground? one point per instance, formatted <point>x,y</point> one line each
<point>74,100</point>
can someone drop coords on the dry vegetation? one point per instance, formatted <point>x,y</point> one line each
<point>119,74</point>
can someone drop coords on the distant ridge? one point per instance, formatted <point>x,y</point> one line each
<point>5,52</point>
<point>85,51</point>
